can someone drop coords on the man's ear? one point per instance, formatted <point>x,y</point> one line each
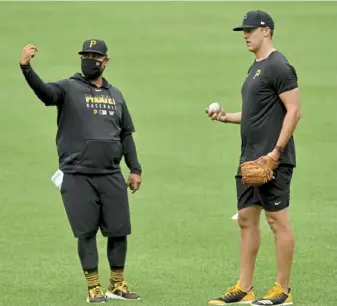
<point>267,32</point>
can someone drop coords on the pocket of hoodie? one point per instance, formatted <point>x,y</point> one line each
<point>102,154</point>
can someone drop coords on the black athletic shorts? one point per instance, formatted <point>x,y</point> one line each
<point>94,202</point>
<point>273,196</point>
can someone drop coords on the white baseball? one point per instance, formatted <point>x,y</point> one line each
<point>214,107</point>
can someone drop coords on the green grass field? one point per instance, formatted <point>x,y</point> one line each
<point>170,60</point>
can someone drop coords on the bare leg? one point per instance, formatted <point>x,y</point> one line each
<point>249,220</point>
<point>279,222</point>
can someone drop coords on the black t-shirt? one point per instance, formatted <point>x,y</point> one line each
<point>262,109</point>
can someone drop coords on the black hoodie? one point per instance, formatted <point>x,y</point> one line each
<point>94,124</point>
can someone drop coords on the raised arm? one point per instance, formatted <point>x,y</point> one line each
<point>48,93</point>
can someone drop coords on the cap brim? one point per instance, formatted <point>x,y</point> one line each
<point>241,28</point>
<point>91,51</point>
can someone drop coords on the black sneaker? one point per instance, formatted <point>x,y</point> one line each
<point>96,295</point>
<point>234,295</point>
<point>120,291</point>
<point>275,296</point>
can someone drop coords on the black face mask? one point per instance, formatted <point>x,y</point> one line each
<point>91,68</point>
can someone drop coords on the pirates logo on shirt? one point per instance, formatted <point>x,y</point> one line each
<point>101,105</point>
<point>257,73</point>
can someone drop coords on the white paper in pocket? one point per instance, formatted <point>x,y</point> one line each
<point>236,216</point>
<point>57,178</point>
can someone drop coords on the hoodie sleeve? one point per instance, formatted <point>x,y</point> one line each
<point>130,154</point>
<point>127,124</point>
<point>49,93</point>
<point>128,144</point>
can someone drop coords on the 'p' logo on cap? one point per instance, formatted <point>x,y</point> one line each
<point>92,43</point>
<point>94,46</point>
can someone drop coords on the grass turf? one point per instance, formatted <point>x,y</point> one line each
<point>170,60</point>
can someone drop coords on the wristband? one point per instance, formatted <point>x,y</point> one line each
<point>279,148</point>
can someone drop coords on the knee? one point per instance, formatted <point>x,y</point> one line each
<point>87,237</point>
<point>278,224</point>
<point>86,243</point>
<point>117,238</point>
<point>245,221</point>
<point>117,242</point>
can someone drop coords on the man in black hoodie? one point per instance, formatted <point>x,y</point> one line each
<point>94,133</point>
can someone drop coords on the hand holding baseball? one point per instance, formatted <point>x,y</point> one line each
<point>216,112</point>
<point>28,52</point>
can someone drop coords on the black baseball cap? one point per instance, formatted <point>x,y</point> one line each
<point>94,46</point>
<point>255,19</point>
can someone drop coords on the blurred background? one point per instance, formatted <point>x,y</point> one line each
<point>170,60</point>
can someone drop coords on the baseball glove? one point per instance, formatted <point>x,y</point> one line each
<point>259,171</point>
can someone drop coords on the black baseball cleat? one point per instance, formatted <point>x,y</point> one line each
<point>96,295</point>
<point>275,296</point>
<point>120,291</point>
<point>234,295</point>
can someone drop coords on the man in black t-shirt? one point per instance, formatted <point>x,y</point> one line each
<point>94,133</point>
<point>269,115</point>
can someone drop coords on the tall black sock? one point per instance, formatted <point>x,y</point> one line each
<point>116,252</point>
<point>87,251</point>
